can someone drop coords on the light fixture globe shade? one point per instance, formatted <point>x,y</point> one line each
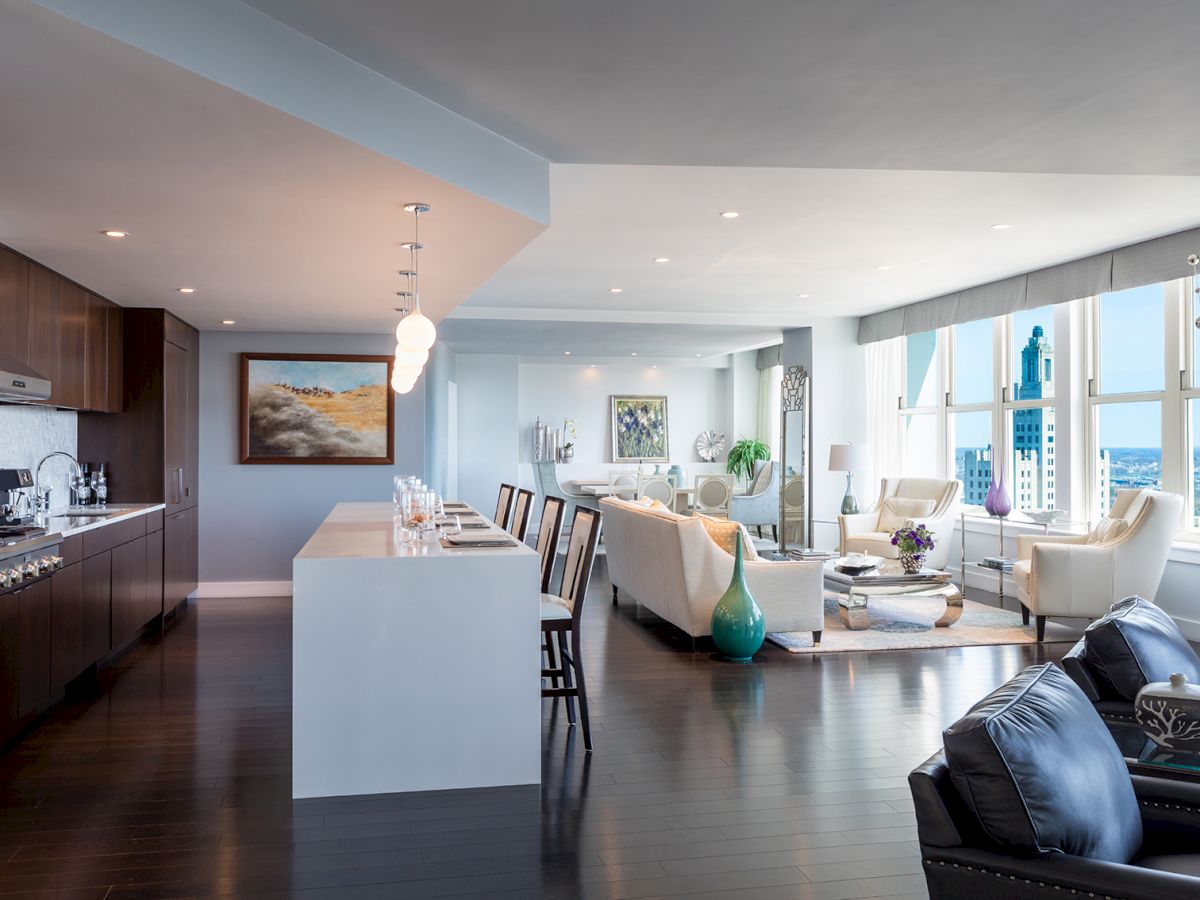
<point>411,358</point>
<point>416,332</point>
<point>404,377</point>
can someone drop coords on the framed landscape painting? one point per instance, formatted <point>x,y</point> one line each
<point>317,409</point>
<point>639,428</point>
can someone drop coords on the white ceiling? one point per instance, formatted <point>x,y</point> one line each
<point>850,135</point>
<point>820,232</point>
<point>278,224</point>
<point>582,342</point>
<point>978,85</point>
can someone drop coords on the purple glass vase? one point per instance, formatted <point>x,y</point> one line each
<point>998,502</point>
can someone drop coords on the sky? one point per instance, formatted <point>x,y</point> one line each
<point>336,376</point>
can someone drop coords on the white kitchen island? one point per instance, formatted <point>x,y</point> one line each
<point>414,668</point>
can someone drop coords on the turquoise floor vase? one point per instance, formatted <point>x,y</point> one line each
<point>738,629</point>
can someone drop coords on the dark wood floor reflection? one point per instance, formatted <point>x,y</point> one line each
<point>785,779</point>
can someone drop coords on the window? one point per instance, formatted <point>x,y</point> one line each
<point>1031,470</point>
<point>920,383</point>
<point>971,440</point>
<point>921,445</point>
<point>1126,398</point>
<point>1193,479</point>
<point>920,420</point>
<point>972,362</point>
<point>1031,368</point>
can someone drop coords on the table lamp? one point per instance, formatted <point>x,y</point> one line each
<point>848,458</point>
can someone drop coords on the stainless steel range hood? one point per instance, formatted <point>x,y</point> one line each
<point>20,383</point>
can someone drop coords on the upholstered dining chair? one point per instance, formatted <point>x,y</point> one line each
<point>712,495</point>
<point>1081,576</point>
<point>504,505</point>
<point>549,529</point>
<point>545,480</point>
<point>561,614</point>
<point>657,487</point>
<point>623,485</point>
<point>523,506</point>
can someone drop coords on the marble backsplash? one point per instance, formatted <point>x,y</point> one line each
<point>27,433</point>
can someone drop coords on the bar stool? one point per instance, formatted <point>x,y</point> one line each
<point>520,517</point>
<point>547,540</point>
<point>561,615</point>
<point>504,504</point>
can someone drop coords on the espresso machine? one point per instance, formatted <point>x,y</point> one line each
<point>16,491</point>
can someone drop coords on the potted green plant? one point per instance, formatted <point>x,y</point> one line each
<point>743,455</point>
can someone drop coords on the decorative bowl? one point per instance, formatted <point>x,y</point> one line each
<point>1047,516</point>
<point>856,563</point>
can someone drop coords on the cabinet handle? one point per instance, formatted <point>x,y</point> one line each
<point>179,485</point>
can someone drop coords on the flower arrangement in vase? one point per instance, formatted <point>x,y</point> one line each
<point>913,543</point>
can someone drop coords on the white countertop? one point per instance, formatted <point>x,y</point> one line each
<point>61,521</point>
<point>369,531</point>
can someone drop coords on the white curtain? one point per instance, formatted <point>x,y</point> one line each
<point>883,419</point>
<point>770,387</point>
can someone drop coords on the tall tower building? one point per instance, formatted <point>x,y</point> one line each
<point>1033,429</point>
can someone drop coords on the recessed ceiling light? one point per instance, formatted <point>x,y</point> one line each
<point>591,365</point>
<point>615,290</point>
<point>804,296</point>
<point>698,355</point>
<point>730,214</point>
<point>662,259</point>
<point>187,290</point>
<point>566,353</point>
<point>882,268</point>
<point>633,354</point>
<point>116,233</point>
<point>654,367</point>
<point>1001,226</point>
<point>228,322</point>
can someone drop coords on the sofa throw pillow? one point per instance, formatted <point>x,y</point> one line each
<point>899,512</point>
<point>1107,529</point>
<point>724,534</point>
<point>1136,643</point>
<point>1037,766</point>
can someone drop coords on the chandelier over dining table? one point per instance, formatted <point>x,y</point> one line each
<point>415,334</point>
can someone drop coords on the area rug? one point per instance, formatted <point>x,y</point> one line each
<point>906,623</point>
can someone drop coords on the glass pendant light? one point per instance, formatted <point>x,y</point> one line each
<point>416,331</point>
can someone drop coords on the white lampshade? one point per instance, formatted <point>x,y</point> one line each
<point>849,457</point>
<point>411,358</point>
<point>416,332</point>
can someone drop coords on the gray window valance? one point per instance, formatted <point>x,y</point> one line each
<point>768,357</point>
<point>1160,259</point>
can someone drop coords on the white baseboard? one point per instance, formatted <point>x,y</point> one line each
<point>244,589</point>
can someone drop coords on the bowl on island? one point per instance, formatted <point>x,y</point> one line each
<point>1047,516</point>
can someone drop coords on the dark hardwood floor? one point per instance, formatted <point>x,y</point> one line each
<point>784,779</point>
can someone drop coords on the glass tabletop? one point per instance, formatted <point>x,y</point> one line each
<point>1064,522</point>
<point>887,572</point>
<point>1139,751</point>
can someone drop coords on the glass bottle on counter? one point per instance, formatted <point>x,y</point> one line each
<point>100,486</point>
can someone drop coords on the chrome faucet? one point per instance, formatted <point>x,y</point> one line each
<point>41,505</point>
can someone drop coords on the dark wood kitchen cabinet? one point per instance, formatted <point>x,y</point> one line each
<point>152,445</point>
<point>154,577</point>
<point>34,609</point>
<point>66,627</point>
<point>97,606</point>
<point>10,665</point>
<point>61,331</point>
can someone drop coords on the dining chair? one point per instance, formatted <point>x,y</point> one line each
<point>549,530</point>
<point>561,614</point>
<point>657,487</point>
<point>623,485</point>
<point>504,504</point>
<point>712,495</point>
<point>520,517</point>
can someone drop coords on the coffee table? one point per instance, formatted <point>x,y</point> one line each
<point>889,579</point>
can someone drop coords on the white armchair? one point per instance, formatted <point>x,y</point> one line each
<point>1081,576</point>
<point>929,501</point>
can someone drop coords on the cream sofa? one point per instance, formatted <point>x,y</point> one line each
<point>670,565</point>
<point>865,533</point>
<point>1081,576</point>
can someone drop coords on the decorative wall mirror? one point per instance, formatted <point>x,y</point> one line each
<point>795,455</point>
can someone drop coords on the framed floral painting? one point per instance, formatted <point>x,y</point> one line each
<point>639,428</point>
